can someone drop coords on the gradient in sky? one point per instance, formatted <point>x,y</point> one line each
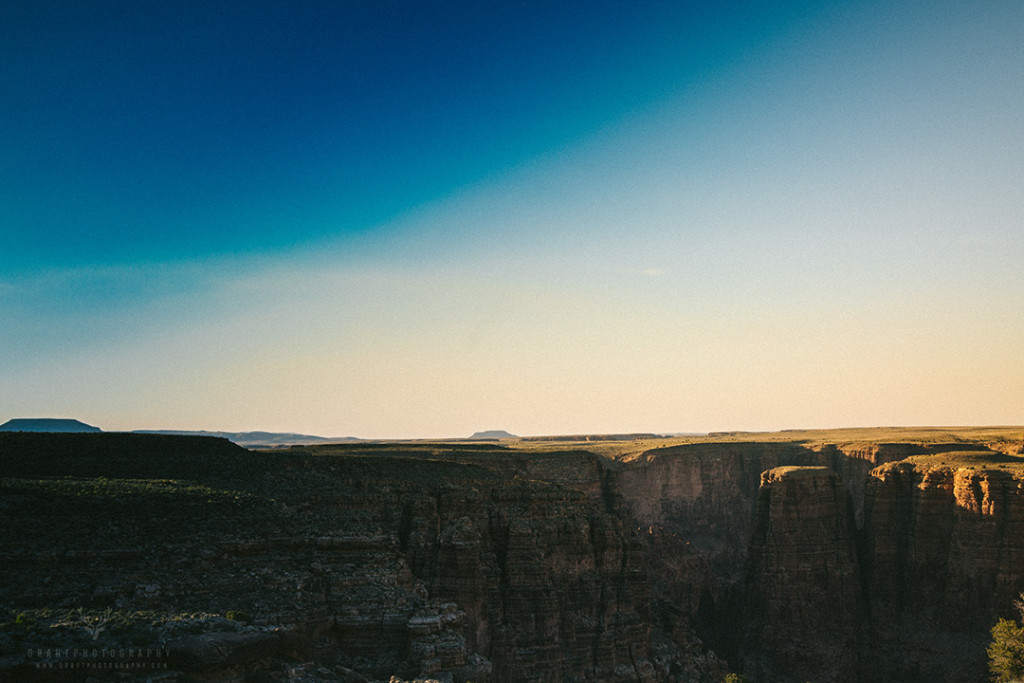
<point>425,219</point>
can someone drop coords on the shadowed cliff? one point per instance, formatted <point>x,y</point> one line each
<point>592,561</point>
<point>372,560</point>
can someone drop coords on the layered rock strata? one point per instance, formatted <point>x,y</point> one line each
<point>377,563</point>
<point>944,560</point>
<point>802,606</point>
<point>786,561</point>
<point>931,555</point>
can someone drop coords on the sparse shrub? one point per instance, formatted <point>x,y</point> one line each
<point>1006,651</point>
<point>734,678</point>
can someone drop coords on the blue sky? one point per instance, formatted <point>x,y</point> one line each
<point>424,219</point>
<point>169,130</point>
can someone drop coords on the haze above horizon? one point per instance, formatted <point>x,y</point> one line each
<point>395,220</point>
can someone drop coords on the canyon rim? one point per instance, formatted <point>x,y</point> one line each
<point>846,555</point>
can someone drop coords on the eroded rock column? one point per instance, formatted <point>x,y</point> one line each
<point>802,610</point>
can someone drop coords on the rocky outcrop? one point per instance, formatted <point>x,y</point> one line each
<point>224,650</point>
<point>706,493</point>
<point>911,563</point>
<point>472,561</point>
<point>802,600</point>
<point>945,559</point>
<point>372,562</point>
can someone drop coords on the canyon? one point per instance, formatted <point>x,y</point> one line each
<point>846,556</point>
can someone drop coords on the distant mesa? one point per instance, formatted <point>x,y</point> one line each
<point>493,434</point>
<point>46,424</point>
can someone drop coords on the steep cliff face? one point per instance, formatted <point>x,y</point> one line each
<point>945,559</point>
<point>551,586</point>
<point>910,561</point>
<point>802,602</point>
<point>706,493</point>
<point>792,561</point>
<point>373,563</point>
<point>699,504</point>
<point>853,463</point>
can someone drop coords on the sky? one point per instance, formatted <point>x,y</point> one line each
<point>420,220</point>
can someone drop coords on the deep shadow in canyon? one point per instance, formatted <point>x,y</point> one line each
<point>784,559</point>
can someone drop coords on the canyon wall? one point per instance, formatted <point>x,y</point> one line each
<point>827,562</point>
<point>944,559</point>
<point>801,614</point>
<point>785,561</point>
<point>449,563</point>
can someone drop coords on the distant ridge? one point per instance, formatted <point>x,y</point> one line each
<point>493,434</point>
<point>46,424</point>
<point>596,437</point>
<point>257,439</point>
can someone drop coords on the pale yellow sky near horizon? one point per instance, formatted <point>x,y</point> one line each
<point>826,232</point>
